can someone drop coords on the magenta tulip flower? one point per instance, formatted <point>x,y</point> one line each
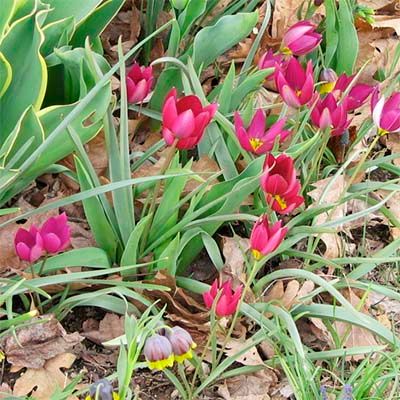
<point>266,238</point>
<point>280,184</point>
<point>28,244</point>
<point>328,113</point>
<point>357,95</point>
<point>271,60</point>
<point>228,300</point>
<point>56,234</point>
<point>295,85</point>
<point>185,119</point>
<point>386,113</point>
<point>256,138</point>
<point>300,39</point>
<point>139,82</point>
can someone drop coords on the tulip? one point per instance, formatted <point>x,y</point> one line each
<point>357,95</point>
<point>327,113</point>
<point>386,113</point>
<point>266,238</point>
<point>280,185</point>
<point>300,39</point>
<point>101,390</point>
<point>256,139</point>
<point>28,244</point>
<point>158,352</point>
<point>185,119</point>
<point>295,85</point>
<point>271,60</point>
<point>139,82</point>
<point>56,234</point>
<point>181,342</point>
<point>228,300</point>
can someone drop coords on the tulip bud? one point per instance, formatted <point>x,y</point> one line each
<point>179,4</point>
<point>139,82</point>
<point>386,113</point>
<point>29,244</point>
<point>158,352</point>
<point>300,39</point>
<point>328,78</point>
<point>181,342</point>
<point>56,234</point>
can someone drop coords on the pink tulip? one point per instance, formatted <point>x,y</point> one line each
<point>327,113</point>
<point>266,238</point>
<point>185,119</point>
<point>139,82</point>
<point>300,39</point>
<point>28,244</point>
<point>56,234</point>
<point>271,60</point>
<point>386,113</point>
<point>228,300</point>
<point>357,95</point>
<point>295,85</point>
<point>256,138</point>
<point>280,185</point>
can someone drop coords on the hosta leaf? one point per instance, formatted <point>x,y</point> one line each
<point>29,73</point>
<point>57,34</point>
<point>5,74</point>
<point>7,9</point>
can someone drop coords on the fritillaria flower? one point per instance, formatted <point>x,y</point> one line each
<point>181,342</point>
<point>158,352</point>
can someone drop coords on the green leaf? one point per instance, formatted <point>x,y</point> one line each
<point>7,10</point>
<point>347,50</point>
<point>188,17</point>
<point>100,226</point>
<point>77,8</point>
<point>167,257</point>
<point>96,22</point>
<point>57,34</point>
<point>214,40</point>
<point>225,96</point>
<point>5,74</point>
<point>331,32</point>
<point>29,73</point>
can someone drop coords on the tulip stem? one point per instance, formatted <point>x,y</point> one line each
<point>164,167</point>
<point>42,266</point>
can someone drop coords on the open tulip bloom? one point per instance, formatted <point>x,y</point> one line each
<point>280,184</point>
<point>185,119</point>
<point>56,234</point>
<point>300,39</point>
<point>329,114</point>
<point>271,60</point>
<point>29,244</point>
<point>295,85</point>
<point>139,82</point>
<point>266,238</point>
<point>386,113</point>
<point>256,138</point>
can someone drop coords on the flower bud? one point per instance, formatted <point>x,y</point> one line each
<point>328,78</point>
<point>181,342</point>
<point>102,390</point>
<point>158,352</point>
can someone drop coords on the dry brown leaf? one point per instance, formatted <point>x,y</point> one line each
<point>333,243</point>
<point>234,249</point>
<point>249,387</point>
<point>376,4</point>
<point>110,327</point>
<point>5,391</point>
<point>43,382</point>
<point>37,343</point>
<point>284,15</point>
<point>393,144</point>
<point>204,164</point>
<point>353,335</point>
<point>250,357</point>
<point>387,21</point>
<point>389,305</point>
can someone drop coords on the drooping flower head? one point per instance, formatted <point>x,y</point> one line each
<point>280,184</point>
<point>300,39</point>
<point>181,342</point>
<point>228,300</point>
<point>357,95</point>
<point>328,113</point>
<point>295,85</point>
<point>139,82</point>
<point>29,244</point>
<point>158,352</point>
<point>386,113</point>
<point>102,390</point>
<point>56,234</point>
<point>256,138</point>
<point>328,79</point>
<point>185,119</point>
<point>266,238</point>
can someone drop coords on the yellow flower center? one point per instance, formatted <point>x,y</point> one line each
<point>286,51</point>
<point>298,92</point>
<point>256,143</point>
<point>382,132</point>
<point>280,201</point>
<point>186,356</point>
<point>256,254</point>
<point>161,364</point>
<point>327,87</point>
